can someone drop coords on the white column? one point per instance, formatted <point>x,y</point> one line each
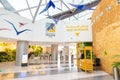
<point>66,53</point>
<point>63,54</point>
<point>54,51</point>
<point>69,58</point>
<point>58,60</point>
<point>22,51</point>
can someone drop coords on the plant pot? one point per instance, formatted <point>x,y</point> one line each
<point>116,73</point>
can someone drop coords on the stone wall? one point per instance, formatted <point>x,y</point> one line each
<point>106,32</point>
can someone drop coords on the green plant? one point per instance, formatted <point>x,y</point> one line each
<point>117,62</point>
<point>3,57</point>
<point>37,50</point>
<point>83,44</point>
<point>11,54</point>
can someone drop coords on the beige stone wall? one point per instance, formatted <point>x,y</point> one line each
<point>106,32</point>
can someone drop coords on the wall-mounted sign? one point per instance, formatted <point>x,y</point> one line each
<point>76,28</point>
<point>50,29</point>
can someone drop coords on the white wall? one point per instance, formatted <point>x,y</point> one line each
<point>84,35</point>
<point>39,32</point>
<point>38,29</point>
<point>15,19</point>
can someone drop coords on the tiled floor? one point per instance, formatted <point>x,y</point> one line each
<point>48,72</point>
<point>104,77</point>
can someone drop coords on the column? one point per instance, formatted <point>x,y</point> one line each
<point>54,51</point>
<point>69,58</point>
<point>48,49</point>
<point>22,53</point>
<point>58,60</point>
<point>66,53</point>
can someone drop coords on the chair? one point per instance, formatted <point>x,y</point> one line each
<point>96,63</point>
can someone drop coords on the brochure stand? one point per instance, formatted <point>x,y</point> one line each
<point>24,60</point>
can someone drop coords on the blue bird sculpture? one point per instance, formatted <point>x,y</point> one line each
<point>50,3</point>
<point>17,32</point>
<point>56,20</point>
<point>81,7</point>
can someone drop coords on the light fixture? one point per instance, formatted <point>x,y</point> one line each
<point>101,13</point>
<point>108,8</point>
<point>96,17</point>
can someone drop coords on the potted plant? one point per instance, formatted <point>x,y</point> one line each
<point>116,67</point>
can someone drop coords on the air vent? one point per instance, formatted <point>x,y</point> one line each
<point>118,1</point>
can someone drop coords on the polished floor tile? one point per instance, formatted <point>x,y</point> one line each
<point>104,77</point>
<point>38,73</point>
<point>67,76</point>
<point>48,72</point>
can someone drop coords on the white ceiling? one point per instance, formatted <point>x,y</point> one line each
<point>21,6</point>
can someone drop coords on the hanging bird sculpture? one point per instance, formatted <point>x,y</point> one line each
<point>50,4</point>
<point>81,7</point>
<point>17,32</point>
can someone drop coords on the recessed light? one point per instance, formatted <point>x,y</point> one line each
<point>108,8</point>
<point>101,13</point>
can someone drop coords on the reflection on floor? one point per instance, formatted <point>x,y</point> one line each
<point>104,77</point>
<point>48,72</point>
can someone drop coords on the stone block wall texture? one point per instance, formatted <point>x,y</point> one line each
<point>106,32</point>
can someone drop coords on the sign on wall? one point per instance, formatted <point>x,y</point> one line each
<point>76,28</point>
<point>50,29</point>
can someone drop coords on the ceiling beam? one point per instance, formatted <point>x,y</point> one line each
<point>31,7</point>
<point>68,8</point>
<point>36,11</point>
<point>71,13</point>
<point>7,5</point>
